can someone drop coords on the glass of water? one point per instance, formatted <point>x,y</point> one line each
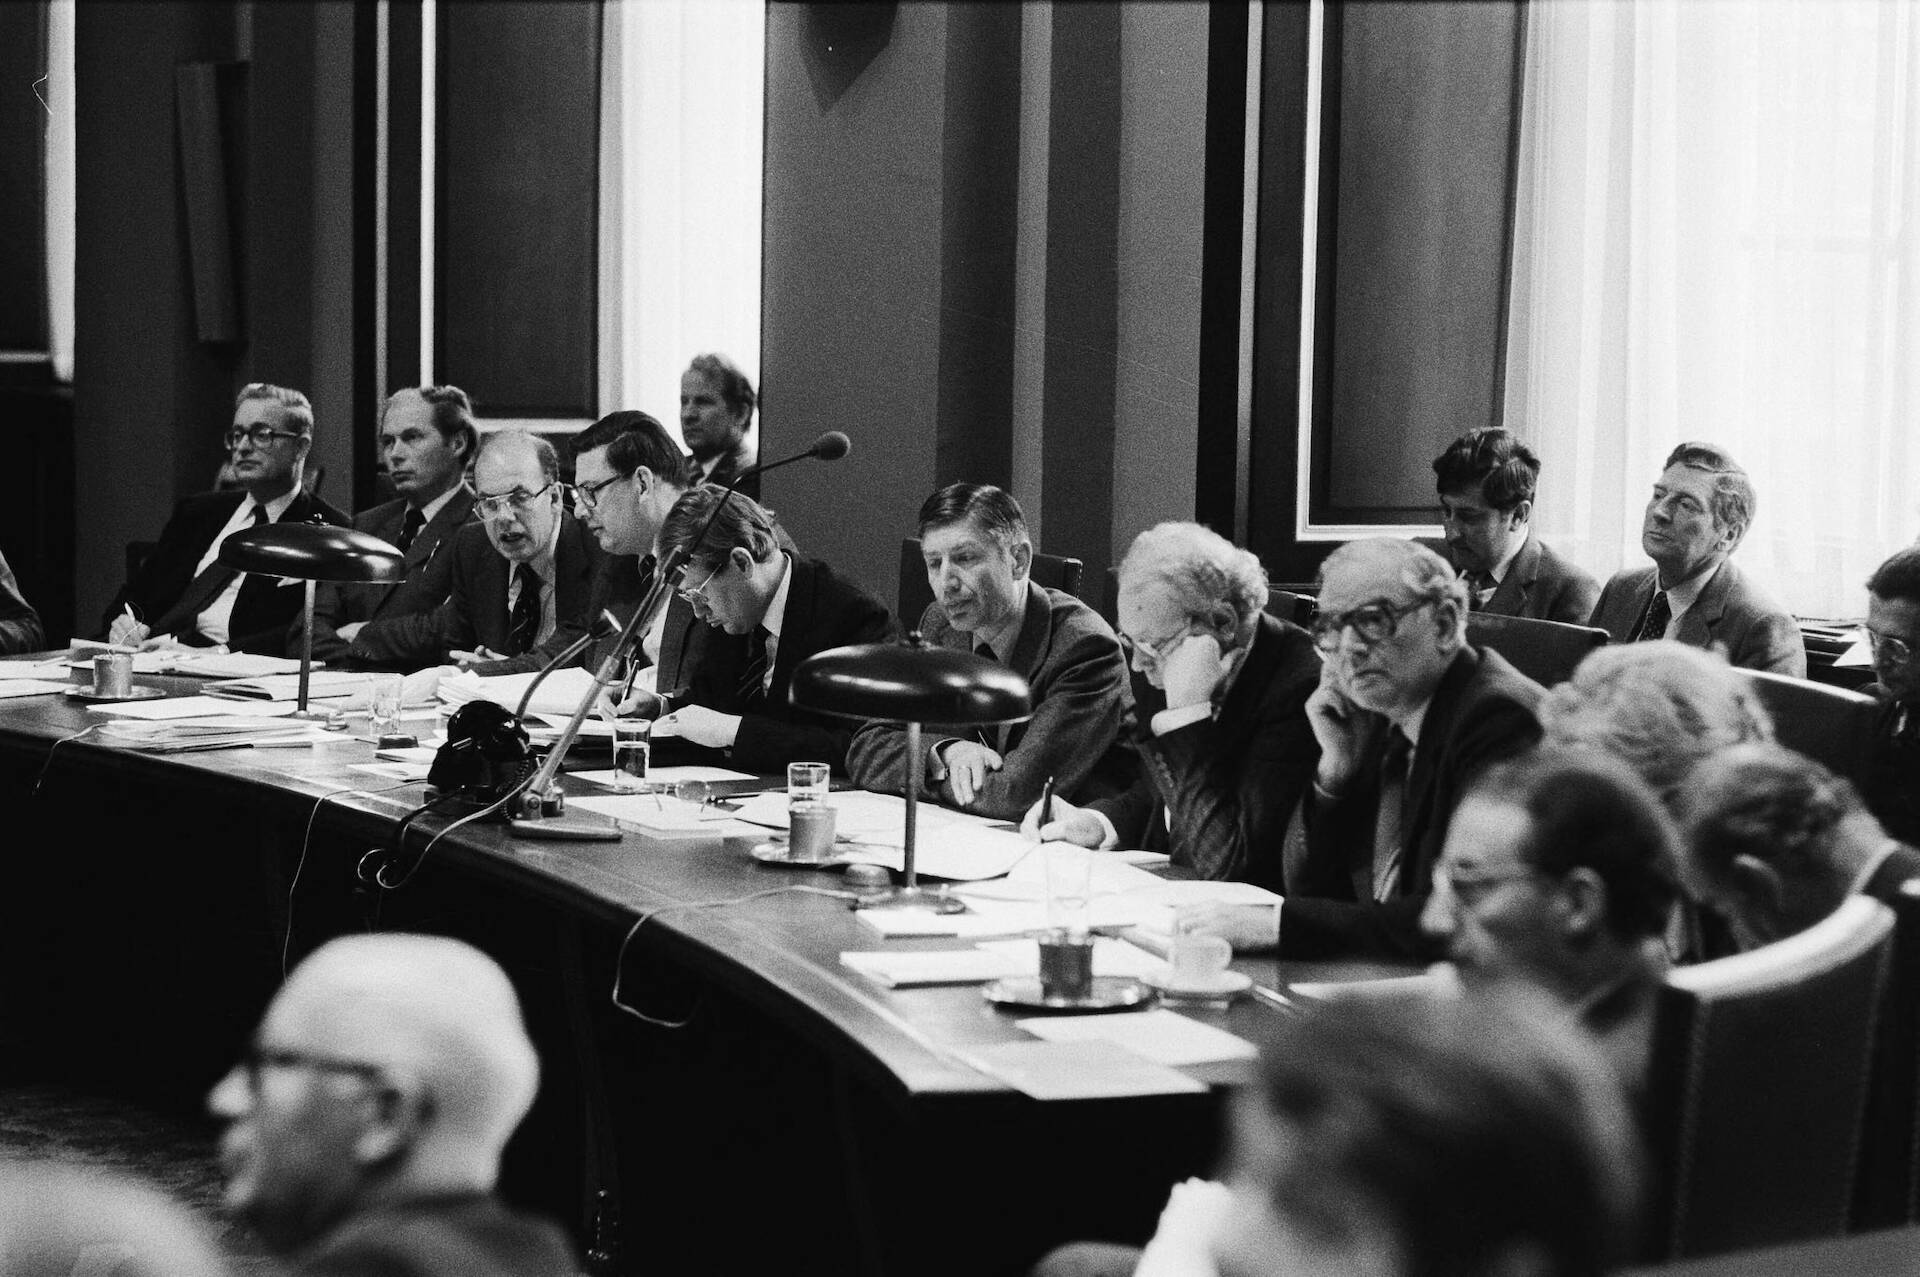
<point>383,705</point>
<point>632,754</point>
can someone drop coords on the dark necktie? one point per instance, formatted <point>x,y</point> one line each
<point>1389,823</point>
<point>1480,587</point>
<point>988,736</point>
<point>201,591</point>
<point>1659,616</point>
<point>750,690</point>
<point>524,624</point>
<point>410,527</point>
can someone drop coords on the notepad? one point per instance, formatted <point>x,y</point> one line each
<point>1164,1037</point>
<point>1090,1070</point>
<point>194,707</point>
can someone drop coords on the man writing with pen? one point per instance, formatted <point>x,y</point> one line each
<point>1220,720</point>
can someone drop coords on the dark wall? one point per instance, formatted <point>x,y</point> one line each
<point>23,136</point>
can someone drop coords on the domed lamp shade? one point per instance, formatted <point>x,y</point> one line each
<point>312,552</point>
<point>911,683</point>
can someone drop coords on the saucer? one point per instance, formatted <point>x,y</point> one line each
<point>1109,993</point>
<point>136,694</point>
<point>1221,984</point>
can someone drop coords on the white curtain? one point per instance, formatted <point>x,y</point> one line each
<point>681,130</point>
<point>1715,239</point>
<point>61,185</point>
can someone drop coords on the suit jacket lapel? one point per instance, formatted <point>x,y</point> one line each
<point>432,539</point>
<point>1029,655</point>
<point>1696,627</point>
<point>1512,594</point>
<point>795,627</point>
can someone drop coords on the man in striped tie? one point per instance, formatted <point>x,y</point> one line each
<point>777,608</point>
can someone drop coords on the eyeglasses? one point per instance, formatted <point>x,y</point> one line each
<point>699,592</point>
<point>1894,651</point>
<point>519,501</point>
<point>1373,622</point>
<point>1470,889</point>
<point>260,1058</point>
<point>589,493</point>
<point>1158,651</point>
<point>258,435</point>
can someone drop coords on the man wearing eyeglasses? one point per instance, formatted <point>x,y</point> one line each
<point>1559,872</point>
<point>1407,714</point>
<point>776,608</point>
<point>427,437</point>
<point>1892,787</point>
<point>525,573</point>
<point>1702,505</point>
<point>979,558</point>
<point>1221,725</point>
<point>1486,482</point>
<point>365,1125</point>
<point>182,595</point>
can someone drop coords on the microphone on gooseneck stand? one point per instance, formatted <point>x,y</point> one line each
<point>540,813</point>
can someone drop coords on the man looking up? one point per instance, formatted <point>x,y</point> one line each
<point>716,416</point>
<point>1407,714</point>
<point>1702,506</point>
<point>979,559</point>
<point>182,595</point>
<point>523,575</point>
<point>1226,750</point>
<point>1486,480</point>
<point>428,438</point>
<point>1893,627</point>
<point>1776,842</point>
<point>1559,872</point>
<point>364,1127</point>
<point>777,608</point>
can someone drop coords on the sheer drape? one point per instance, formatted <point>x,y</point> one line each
<point>1713,241</point>
<point>681,129</point>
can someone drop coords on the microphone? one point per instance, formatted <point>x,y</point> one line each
<point>830,446</point>
<point>603,625</point>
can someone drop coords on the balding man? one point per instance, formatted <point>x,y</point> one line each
<point>366,1123</point>
<point>183,595</point>
<point>1221,725</point>
<point>1701,508</point>
<point>525,573</point>
<point>428,438</point>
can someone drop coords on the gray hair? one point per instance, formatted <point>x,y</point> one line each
<point>1201,568</point>
<point>1422,571</point>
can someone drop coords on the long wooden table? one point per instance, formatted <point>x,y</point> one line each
<point>778,1104</point>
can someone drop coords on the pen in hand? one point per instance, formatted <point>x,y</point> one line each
<point>1046,804</point>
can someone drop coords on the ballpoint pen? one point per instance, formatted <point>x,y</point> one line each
<point>1046,804</point>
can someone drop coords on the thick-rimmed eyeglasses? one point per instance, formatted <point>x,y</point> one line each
<point>1158,651</point>
<point>1470,888</point>
<point>519,501</point>
<point>258,436</point>
<point>260,1058</point>
<point>1373,622</point>
<point>695,593</point>
<point>588,494</point>
<point>1894,651</point>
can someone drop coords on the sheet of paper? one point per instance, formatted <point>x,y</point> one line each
<point>1077,1070</point>
<point>1440,980</point>
<point>321,685</point>
<point>194,707</point>
<point>1110,957</point>
<point>895,968</point>
<point>393,771</point>
<point>31,687</point>
<point>560,694</point>
<point>669,775</point>
<point>55,671</point>
<point>234,665</point>
<point>956,854</point>
<point>984,918</point>
<point>1165,1037</point>
<point>191,728</point>
<point>663,815</point>
<point>876,818</point>
<point>1857,656</point>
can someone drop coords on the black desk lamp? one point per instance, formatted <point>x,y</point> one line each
<point>312,552</point>
<point>911,683</point>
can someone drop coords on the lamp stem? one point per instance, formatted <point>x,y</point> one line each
<point>306,649</point>
<point>915,764</point>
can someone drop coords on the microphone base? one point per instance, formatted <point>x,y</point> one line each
<point>566,828</point>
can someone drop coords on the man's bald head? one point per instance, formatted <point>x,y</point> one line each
<point>388,1068</point>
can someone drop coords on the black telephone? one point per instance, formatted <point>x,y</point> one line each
<point>487,754</point>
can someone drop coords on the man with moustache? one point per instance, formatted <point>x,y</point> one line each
<point>183,596</point>
<point>428,437</point>
<point>1486,480</point>
<point>1702,506</point>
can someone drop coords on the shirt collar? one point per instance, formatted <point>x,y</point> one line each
<point>432,509</point>
<point>1505,565</point>
<point>276,508</point>
<point>543,561</point>
<point>1687,593</point>
<point>777,606</point>
<point>1002,640</point>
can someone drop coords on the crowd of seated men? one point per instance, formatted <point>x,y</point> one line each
<point>1409,796</point>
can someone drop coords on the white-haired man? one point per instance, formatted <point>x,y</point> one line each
<point>365,1125</point>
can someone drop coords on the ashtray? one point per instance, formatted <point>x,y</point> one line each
<point>133,694</point>
<point>777,851</point>
<point>1218,987</point>
<point>1109,993</point>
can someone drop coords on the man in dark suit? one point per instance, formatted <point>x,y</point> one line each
<point>20,629</point>
<point>1559,873</point>
<point>1486,479</point>
<point>979,557</point>
<point>1702,506</point>
<point>365,1126</point>
<point>1408,714</point>
<point>1892,785</point>
<point>776,609</point>
<point>182,595</point>
<point>523,574</point>
<point>1221,726</point>
<point>429,439</point>
<point>716,420</point>
<point>1775,842</point>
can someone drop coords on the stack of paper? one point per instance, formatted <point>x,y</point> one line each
<point>560,694</point>
<point>194,707</point>
<point>322,685</point>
